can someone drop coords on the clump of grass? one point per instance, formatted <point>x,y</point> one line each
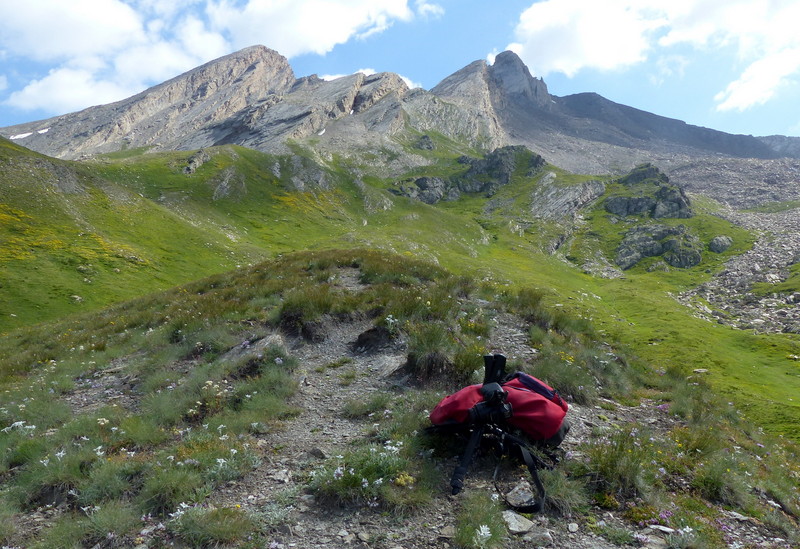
<point>110,521</point>
<point>110,479</point>
<point>616,535</point>
<point>718,479</point>
<point>479,522</point>
<point>559,370</point>
<point>621,462</point>
<point>348,377</point>
<point>360,408</point>
<point>468,359</point>
<point>166,487</point>
<point>67,533</point>
<point>565,495</point>
<point>6,521</point>
<point>335,364</point>
<point>212,526</point>
<point>429,349</point>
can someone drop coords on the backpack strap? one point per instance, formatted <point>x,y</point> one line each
<point>533,464</point>
<point>535,506</point>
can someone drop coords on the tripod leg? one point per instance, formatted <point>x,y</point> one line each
<point>457,481</point>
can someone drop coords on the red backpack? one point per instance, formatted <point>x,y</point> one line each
<point>497,407</point>
<point>536,408</point>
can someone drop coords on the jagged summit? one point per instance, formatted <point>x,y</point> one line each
<point>512,76</point>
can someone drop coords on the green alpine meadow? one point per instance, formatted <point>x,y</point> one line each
<point>238,344</point>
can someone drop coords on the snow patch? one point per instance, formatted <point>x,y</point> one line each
<point>322,131</point>
<point>21,135</point>
<point>43,131</point>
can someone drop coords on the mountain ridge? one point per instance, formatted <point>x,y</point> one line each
<point>252,98</point>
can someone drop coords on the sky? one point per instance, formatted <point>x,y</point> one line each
<point>729,65</point>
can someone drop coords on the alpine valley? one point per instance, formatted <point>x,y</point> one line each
<point>380,240</point>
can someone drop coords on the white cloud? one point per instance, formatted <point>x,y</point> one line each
<point>365,72</point>
<point>295,27</point>
<point>428,10</point>
<point>569,36</point>
<point>48,30</point>
<point>760,81</point>
<point>81,87</point>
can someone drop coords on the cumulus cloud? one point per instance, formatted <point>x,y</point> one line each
<point>84,90</point>
<point>294,27</point>
<point>427,9</point>
<point>569,36</point>
<point>760,81</point>
<point>48,30</point>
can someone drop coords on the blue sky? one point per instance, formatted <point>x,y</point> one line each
<point>731,65</point>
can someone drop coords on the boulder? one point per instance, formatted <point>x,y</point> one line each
<point>516,523</point>
<point>720,244</point>
<point>424,143</point>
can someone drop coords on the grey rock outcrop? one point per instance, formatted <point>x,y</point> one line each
<point>550,200</point>
<point>649,193</point>
<point>483,175</point>
<point>487,174</point>
<point>429,190</point>
<point>677,246</point>
<point>195,161</point>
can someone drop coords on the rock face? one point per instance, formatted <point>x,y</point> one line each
<point>552,201</point>
<point>678,247</point>
<point>486,174</point>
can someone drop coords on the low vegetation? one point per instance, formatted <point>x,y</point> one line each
<point>131,417</point>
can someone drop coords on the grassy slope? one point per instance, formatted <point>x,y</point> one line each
<point>263,215</point>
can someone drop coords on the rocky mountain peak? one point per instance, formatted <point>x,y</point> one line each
<point>163,115</point>
<point>513,78</point>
